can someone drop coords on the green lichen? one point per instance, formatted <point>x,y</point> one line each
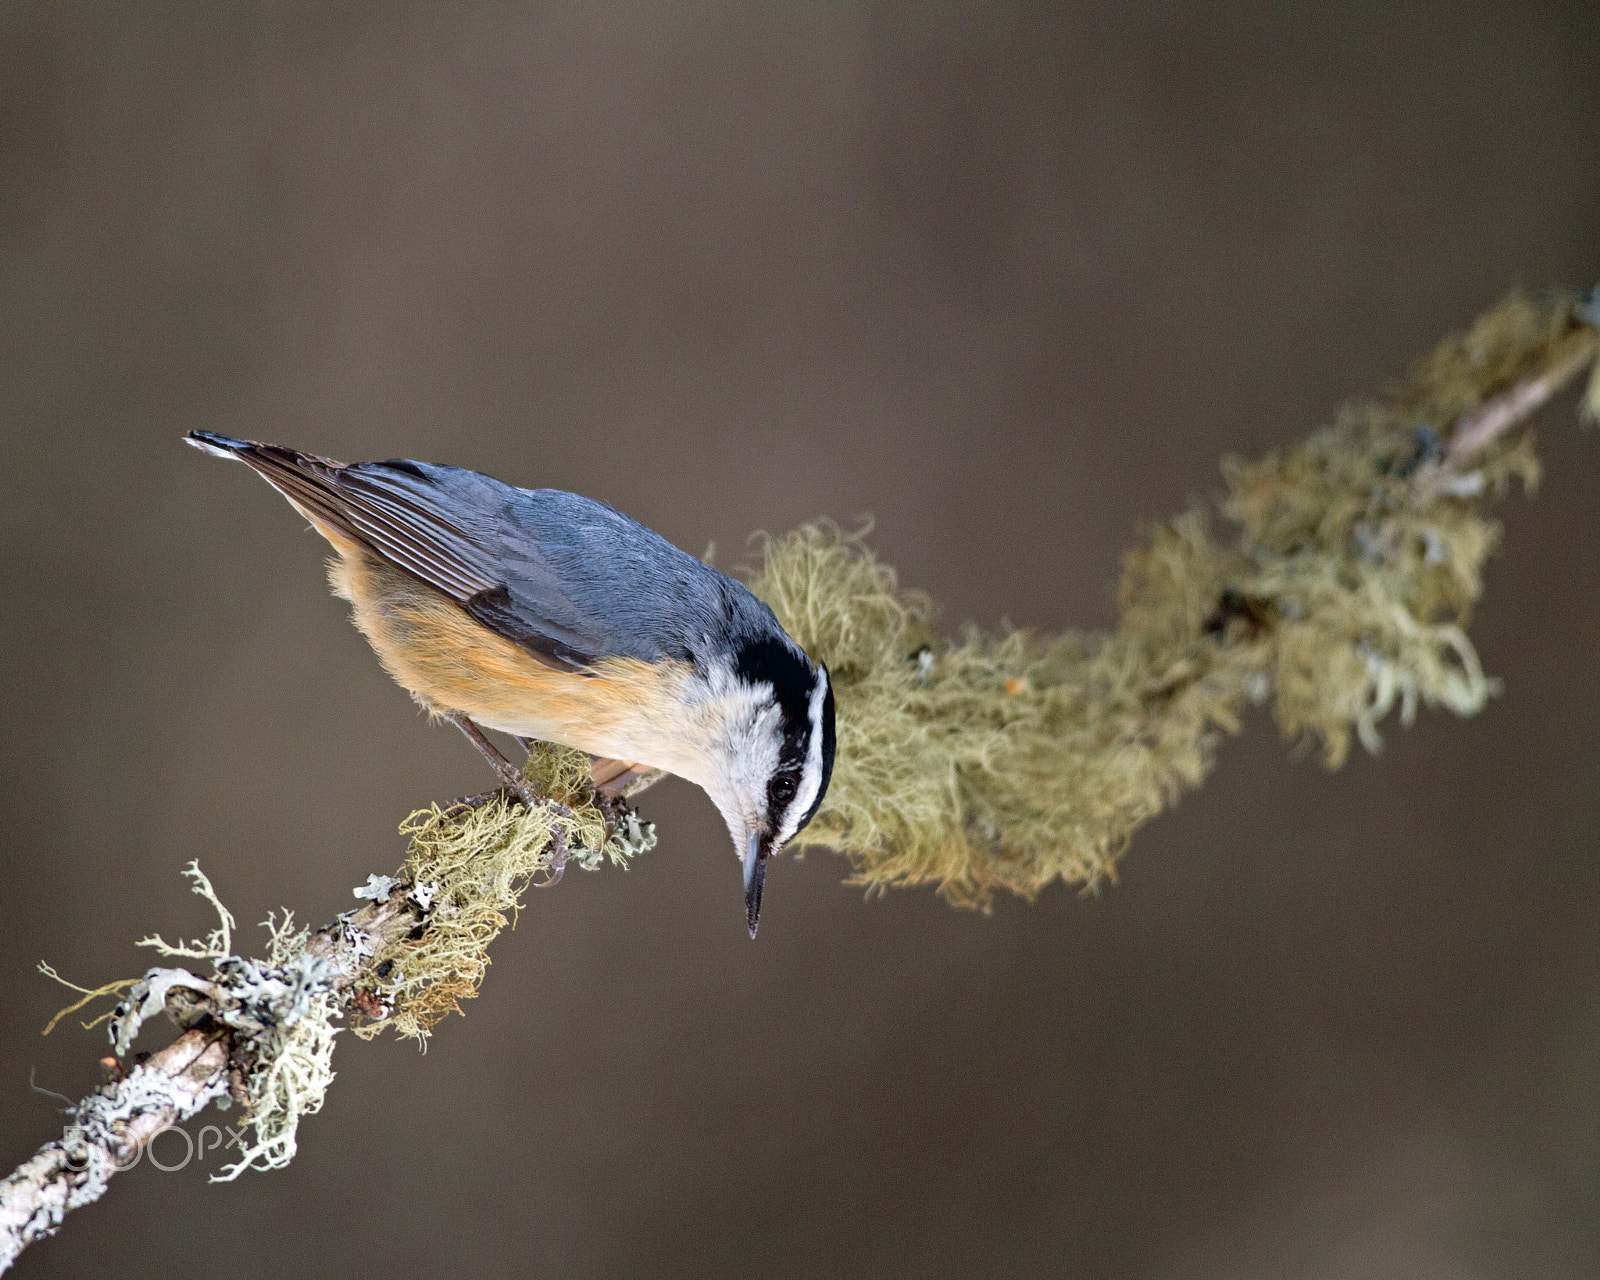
<point>469,866</point>
<point>1333,580</point>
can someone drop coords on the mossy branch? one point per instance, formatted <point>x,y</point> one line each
<point>1333,581</point>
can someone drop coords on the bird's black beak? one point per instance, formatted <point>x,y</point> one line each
<point>755,875</point>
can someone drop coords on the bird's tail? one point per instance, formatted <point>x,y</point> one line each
<point>258,455</point>
<point>221,446</point>
<point>308,481</point>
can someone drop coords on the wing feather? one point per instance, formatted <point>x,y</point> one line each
<point>396,517</point>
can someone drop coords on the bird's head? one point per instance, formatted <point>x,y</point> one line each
<point>771,754</point>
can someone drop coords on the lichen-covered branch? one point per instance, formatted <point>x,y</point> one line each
<point>1333,581</point>
<point>109,1127</point>
<point>261,1032</point>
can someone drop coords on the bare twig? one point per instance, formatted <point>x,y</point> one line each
<point>1476,430</point>
<point>1479,428</point>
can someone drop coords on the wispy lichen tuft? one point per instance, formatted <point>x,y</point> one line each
<point>469,867</point>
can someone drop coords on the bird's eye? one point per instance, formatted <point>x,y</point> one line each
<point>783,789</point>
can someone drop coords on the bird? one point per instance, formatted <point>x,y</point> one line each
<point>547,615</point>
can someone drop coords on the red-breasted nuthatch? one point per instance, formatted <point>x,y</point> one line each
<point>547,615</point>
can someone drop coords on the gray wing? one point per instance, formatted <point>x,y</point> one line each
<point>567,578</point>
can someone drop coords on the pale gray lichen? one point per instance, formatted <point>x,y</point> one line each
<point>376,888</point>
<point>94,1142</point>
<point>293,1069</point>
<point>281,1012</point>
<point>218,943</point>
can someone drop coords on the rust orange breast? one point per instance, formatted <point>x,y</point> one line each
<point>621,707</point>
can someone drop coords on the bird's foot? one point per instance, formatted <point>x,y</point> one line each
<point>557,865</point>
<point>514,780</point>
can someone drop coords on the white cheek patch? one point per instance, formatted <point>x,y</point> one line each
<point>755,754</point>
<point>745,757</point>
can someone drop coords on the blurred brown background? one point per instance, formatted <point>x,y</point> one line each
<point>1009,279</point>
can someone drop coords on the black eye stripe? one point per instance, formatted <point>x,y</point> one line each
<point>794,681</point>
<point>829,741</point>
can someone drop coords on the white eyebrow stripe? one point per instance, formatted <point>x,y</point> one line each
<point>811,772</point>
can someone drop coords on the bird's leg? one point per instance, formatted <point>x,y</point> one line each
<point>525,743</point>
<point>612,807</point>
<point>519,786</point>
<point>643,783</point>
<point>513,777</point>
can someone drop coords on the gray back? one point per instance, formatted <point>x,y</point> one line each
<point>577,574</point>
